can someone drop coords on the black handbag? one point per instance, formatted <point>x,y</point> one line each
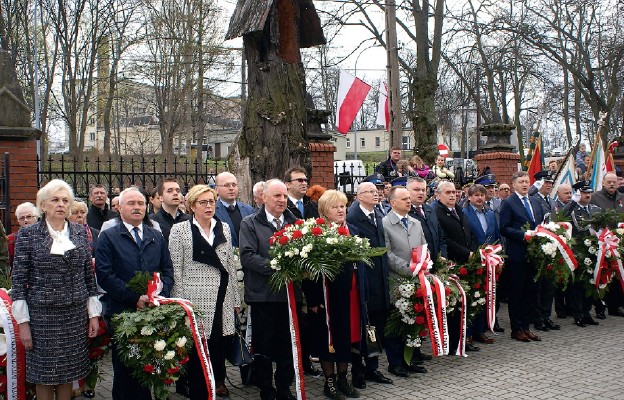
<point>238,353</point>
<point>373,344</point>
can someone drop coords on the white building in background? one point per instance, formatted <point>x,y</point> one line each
<point>367,141</point>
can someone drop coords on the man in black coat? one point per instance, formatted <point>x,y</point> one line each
<point>436,241</point>
<point>368,221</point>
<point>389,167</point>
<point>299,204</point>
<point>99,211</point>
<point>170,199</point>
<point>515,212</point>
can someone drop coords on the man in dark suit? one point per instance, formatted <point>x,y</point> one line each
<point>99,211</point>
<point>436,241</point>
<point>230,211</point>
<point>516,211</point>
<point>460,243</point>
<point>123,250</point>
<point>369,224</point>
<point>170,199</point>
<point>546,288</point>
<point>484,226</point>
<point>299,204</point>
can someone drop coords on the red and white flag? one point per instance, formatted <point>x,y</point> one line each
<point>383,112</point>
<point>351,94</point>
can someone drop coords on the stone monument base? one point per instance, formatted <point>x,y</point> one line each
<point>502,164</point>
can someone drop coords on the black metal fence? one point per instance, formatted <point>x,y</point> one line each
<point>348,174</point>
<point>122,172</point>
<point>5,198</point>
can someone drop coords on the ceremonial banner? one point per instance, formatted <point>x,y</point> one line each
<point>351,94</point>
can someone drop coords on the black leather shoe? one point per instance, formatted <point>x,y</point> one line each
<point>590,321</point>
<point>378,377</point>
<point>551,325</point>
<point>398,371</point>
<point>617,312</point>
<point>89,394</point>
<point>580,322</point>
<point>419,356</point>
<point>472,347</point>
<point>418,369</point>
<point>358,381</point>
<point>498,328</point>
<point>601,315</point>
<point>541,326</point>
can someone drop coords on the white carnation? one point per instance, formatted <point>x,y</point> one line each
<point>602,286</point>
<point>295,251</point>
<point>181,342</point>
<point>477,294</point>
<point>592,250</point>
<point>169,355</point>
<point>273,263</point>
<point>481,301</point>
<point>587,242</point>
<point>619,231</point>
<point>159,345</point>
<point>303,254</point>
<point>592,281</point>
<point>147,330</point>
<point>358,240</point>
<point>474,304</point>
<point>589,270</point>
<point>587,261</point>
<point>304,230</point>
<point>406,289</point>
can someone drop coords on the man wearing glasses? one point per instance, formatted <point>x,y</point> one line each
<point>229,210</point>
<point>297,185</point>
<point>26,214</point>
<point>503,191</point>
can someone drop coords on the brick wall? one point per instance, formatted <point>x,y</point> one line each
<point>503,165</point>
<point>22,173</point>
<point>322,164</point>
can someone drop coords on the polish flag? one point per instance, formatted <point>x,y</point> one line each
<point>383,112</point>
<point>351,94</point>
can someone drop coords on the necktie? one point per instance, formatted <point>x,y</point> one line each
<point>404,220</point>
<point>371,216</point>
<point>454,214</point>
<point>278,223</point>
<point>420,211</point>
<point>528,208</point>
<point>137,238</point>
<point>300,207</point>
<point>488,205</point>
<point>231,207</point>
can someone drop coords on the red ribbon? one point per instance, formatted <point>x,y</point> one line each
<point>607,241</point>
<point>490,260</point>
<point>295,341</point>
<point>461,346</point>
<point>566,252</point>
<point>154,288</point>
<point>17,362</point>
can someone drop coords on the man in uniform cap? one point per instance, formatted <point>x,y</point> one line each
<point>579,209</point>
<point>400,181</point>
<point>546,289</point>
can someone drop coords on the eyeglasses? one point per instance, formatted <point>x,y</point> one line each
<point>206,203</point>
<point>25,217</point>
<point>506,189</point>
<point>300,180</point>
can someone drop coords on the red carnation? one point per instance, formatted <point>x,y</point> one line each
<point>105,340</point>
<point>283,240</point>
<point>420,320</point>
<point>272,240</point>
<point>463,271</point>
<point>477,285</point>
<point>173,371</point>
<point>184,360</point>
<point>343,231</point>
<point>168,382</point>
<point>423,333</point>
<point>561,261</point>
<point>287,226</point>
<point>418,307</point>
<point>549,267</point>
<point>297,235</point>
<point>299,222</point>
<point>316,231</point>
<point>479,271</point>
<point>96,353</point>
<point>447,291</point>
<point>320,221</point>
<point>149,368</point>
<point>419,293</point>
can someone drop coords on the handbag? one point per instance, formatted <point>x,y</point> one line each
<point>373,344</point>
<point>238,353</point>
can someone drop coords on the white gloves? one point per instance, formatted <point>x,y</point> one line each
<point>576,196</point>
<point>538,184</point>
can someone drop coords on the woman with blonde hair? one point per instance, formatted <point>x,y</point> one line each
<point>420,167</point>
<point>204,273</point>
<point>344,307</point>
<point>55,296</point>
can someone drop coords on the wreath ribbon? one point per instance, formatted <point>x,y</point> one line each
<point>566,252</point>
<point>295,341</point>
<point>435,313</point>
<point>154,287</point>
<point>461,346</point>
<point>490,260</point>
<point>16,354</point>
<point>608,242</point>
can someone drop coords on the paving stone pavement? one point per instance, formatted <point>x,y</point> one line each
<point>573,363</point>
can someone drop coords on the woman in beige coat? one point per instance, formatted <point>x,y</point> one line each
<point>204,273</point>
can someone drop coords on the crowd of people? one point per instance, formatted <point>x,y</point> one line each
<point>71,264</point>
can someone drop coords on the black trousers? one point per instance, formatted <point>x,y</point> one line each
<point>198,387</point>
<point>522,294</point>
<point>125,387</point>
<point>614,298</point>
<point>545,298</point>
<point>271,341</point>
<point>578,304</point>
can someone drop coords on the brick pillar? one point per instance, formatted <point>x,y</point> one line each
<point>502,164</point>
<point>322,164</point>
<point>22,173</point>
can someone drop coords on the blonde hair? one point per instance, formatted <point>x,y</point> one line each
<point>196,191</point>
<point>78,204</point>
<point>416,160</point>
<point>52,187</point>
<point>330,198</point>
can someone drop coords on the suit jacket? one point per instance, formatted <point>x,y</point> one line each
<point>495,204</point>
<point>432,230</point>
<point>400,243</point>
<point>460,240</point>
<point>547,206</point>
<point>223,216</point>
<point>513,217</point>
<point>310,209</point>
<point>492,235</point>
<point>377,288</point>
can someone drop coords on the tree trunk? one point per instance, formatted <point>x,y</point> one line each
<point>424,118</point>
